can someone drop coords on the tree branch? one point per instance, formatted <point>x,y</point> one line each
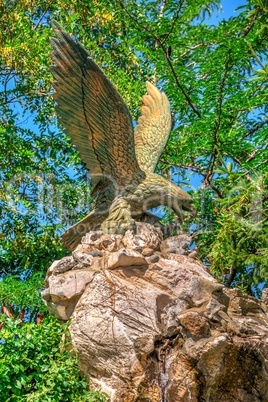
<point>256,128</point>
<point>175,19</point>
<point>230,277</point>
<point>246,172</point>
<point>179,84</point>
<point>42,16</point>
<point>195,47</point>
<point>252,51</point>
<point>248,28</point>
<point>197,169</point>
<point>215,153</point>
<point>162,6</point>
<point>193,167</point>
<point>254,153</point>
<point>161,44</point>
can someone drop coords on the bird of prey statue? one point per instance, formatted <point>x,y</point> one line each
<point>120,160</point>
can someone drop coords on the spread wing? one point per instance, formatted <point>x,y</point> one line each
<point>153,128</point>
<point>92,112</point>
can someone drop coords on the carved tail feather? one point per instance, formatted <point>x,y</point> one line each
<point>73,235</point>
<point>93,221</point>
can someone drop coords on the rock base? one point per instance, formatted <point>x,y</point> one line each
<point>150,323</point>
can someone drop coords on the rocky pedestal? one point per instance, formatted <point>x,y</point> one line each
<point>150,323</point>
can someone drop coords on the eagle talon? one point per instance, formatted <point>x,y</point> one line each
<point>118,226</point>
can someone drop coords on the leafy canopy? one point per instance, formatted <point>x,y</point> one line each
<point>216,79</point>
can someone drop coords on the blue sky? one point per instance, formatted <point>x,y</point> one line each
<point>230,5</point>
<point>228,9</point>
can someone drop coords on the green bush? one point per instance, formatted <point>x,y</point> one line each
<point>35,365</point>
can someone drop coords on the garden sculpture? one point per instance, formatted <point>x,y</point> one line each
<point>120,160</point>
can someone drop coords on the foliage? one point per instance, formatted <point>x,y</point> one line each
<point>20,296</point>
<point>216,79</point>
<point>35,365</point>
<point>239,249</point>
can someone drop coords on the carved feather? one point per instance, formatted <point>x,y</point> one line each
<point>153,128</point>
<point>92,111</point>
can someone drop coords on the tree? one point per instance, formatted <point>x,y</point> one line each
<point>216,79</point>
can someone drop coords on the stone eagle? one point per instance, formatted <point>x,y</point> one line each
<point>120,160</point>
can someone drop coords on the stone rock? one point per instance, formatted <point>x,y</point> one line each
<point>64,291</point>
<point>193,254</point>
<point>155,326</point>
<point>146,236</point>
<point>65,264</point>
<point>264,296</point>
<point>147,252</point>
<point>176,245</point>
<point>99,241</point>
<point>91,238</point>
<point>195,323</point>
<point>152,259</point>
<point>86,259</point>
<point>125,258</point>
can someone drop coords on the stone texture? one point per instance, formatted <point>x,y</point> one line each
<point>150,323</point>
<point>125,258</point>
<point>65,290</point>
<point>146,236</point>
<point>176,244</point>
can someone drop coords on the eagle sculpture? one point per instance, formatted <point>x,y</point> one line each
<point>121,161</point>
